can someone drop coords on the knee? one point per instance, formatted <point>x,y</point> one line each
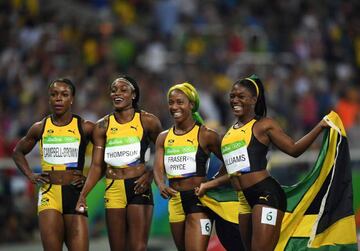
<point>139,247</point>
<point>261,247</point>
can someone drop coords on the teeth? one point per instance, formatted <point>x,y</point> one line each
<point>177,114</point>
<point>237,107</point>
<point>118,99</point>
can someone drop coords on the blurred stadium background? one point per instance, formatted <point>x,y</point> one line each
<point>306,52</point>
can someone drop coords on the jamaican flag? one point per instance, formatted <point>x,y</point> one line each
<point>319,213</point>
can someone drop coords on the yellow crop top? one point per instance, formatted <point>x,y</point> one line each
<point>242,152</point>
<point>126,143</point>
<point>183,156</point>
<point>62,147</point>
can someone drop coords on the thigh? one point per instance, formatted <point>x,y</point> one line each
<point>116,226</point>
<point>228,234</point>
<point>245,227</point>
<point>178,234</point>
<point>138,222</point>
<point>198,228</point>
<point>51,226</point>
<point>266,224</point>
<point>76,232</point>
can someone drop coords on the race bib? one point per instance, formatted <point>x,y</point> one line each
<point>236,157</point>
<point>205,225</point>
<point>180,161</point>
<point>60,150</point>
<point>268,216</point>
<point>122,151</point>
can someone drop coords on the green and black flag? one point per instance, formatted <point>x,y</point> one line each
<point>319,213</point>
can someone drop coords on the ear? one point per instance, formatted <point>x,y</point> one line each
<point>254,100</point>
<point>191,105</point>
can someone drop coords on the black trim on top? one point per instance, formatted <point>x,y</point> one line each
<point>83,143</point>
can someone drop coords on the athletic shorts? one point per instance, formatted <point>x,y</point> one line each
<point>119,193</point>
<point>184,203</point>
<point>266,192</point>
<point>244,207</point>
<point>62,198</point>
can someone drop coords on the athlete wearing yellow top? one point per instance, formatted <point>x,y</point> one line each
<point>63,137</point>
<point>181,154</point>
<point>120,143</point>
<point>244,150</point>
<point>61,148</point>
<point>126,147</point>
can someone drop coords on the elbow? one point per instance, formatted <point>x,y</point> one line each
<point>294,154</point>
<point>14,154</point>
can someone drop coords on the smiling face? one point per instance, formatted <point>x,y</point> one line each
<point>60,98</point>
<point>242,101</point>
<point>122,95</point>
<point>179,106</point>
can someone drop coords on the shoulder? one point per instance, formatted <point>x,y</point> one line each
<point>103,123</point>
<point>149,120</point>
<point>208,133</point>
<point>265,124</point>
<point>87,125</point>
<point>37,128</point>
<point>148,117</point>
<point>162,136</point>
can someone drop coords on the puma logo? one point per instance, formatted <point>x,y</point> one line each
<point>242,130</point>
<point>72,131</point>
<point>191,141</point>
<point>264,197</point>
<point>133,127</point>
<point>146,196</point>
<point>45,201</point>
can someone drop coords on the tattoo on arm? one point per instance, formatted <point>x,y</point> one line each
<point>103,123</point>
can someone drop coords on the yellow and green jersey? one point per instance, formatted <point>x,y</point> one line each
<point>242,152</point>
<point>62,147</point>
<point>126,144</point>
<point>183,156</point>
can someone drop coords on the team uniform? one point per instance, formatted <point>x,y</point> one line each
<point>243,154</point>
<point>62,149</point>
<point>126,147</point>
<point>184,158</point>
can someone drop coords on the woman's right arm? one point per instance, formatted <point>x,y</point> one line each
<point>97,166</point>
<point>23,147</point>
<point>165,191</point>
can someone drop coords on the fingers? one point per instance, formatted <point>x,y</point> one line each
<point>42,178</point>
<point>141,188</point>
<point>79,182</point>
<point>81,208</point>
<point>168,192</point>
<point>197,189</point>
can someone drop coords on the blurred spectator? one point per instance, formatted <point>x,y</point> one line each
<point>348,106</point>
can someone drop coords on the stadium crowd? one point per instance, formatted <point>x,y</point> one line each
<point>306,52</point>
